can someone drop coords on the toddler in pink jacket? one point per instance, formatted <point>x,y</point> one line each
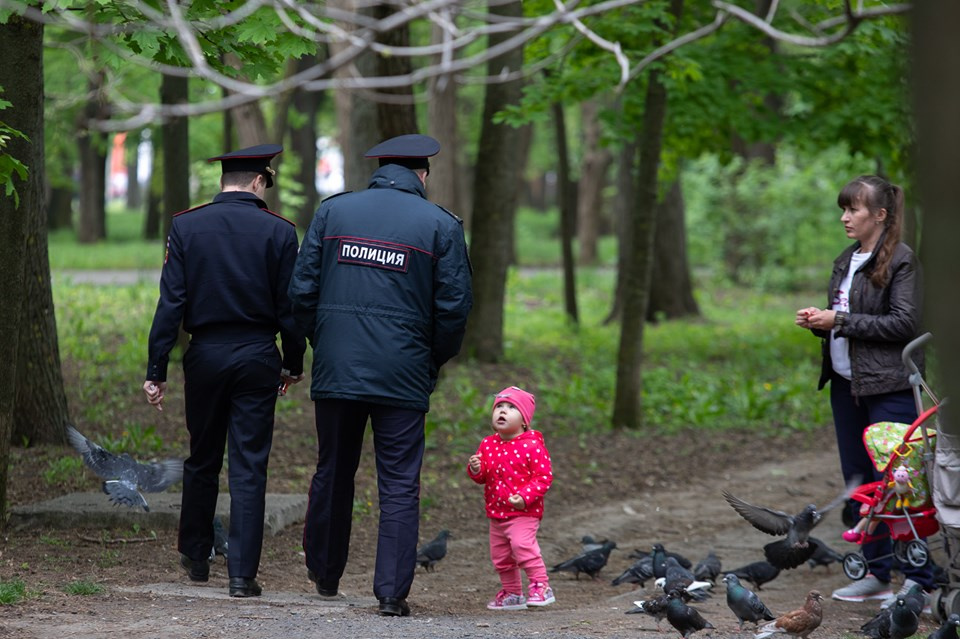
<point>514,467</point>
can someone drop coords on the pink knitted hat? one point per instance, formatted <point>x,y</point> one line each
<point>524,402</point>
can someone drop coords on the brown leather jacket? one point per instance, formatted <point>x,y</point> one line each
<point>880,323</point>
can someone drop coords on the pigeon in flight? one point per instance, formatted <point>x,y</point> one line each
<point>757,573</point>
<point>685,619</point>
<point>124,477</point>
<point>433,551</point>
<point>589,562</point>
<point>745,604</point>
<point>796,623</point>
<point>796,547</point>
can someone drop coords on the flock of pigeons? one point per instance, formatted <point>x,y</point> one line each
<point>678,580</point>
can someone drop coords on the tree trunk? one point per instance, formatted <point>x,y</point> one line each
<point>495,201</point>
<point>593,179</point>
<point>624,205</point>
<point>175,133</point>
<point>303,143</point>
<point>567,198</point>
<point>671,290</point>
<point>92,225</point>
<point>151,222</point>
<point>444,184</point>
<point>396,110</point>
<point>936,48</point>
<point>134,192</point>
<point>628,405</point>
<point>60,208</point>
<point>357,121</point>
<point>21,76</point>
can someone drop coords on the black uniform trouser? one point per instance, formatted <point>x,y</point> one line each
<point>230,394</point>
<point>398,439</point>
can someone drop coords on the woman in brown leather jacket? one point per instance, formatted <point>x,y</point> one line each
<point>873,312</point>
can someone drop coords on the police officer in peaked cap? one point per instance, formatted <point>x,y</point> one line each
<point>225,276</point>
<point>382,289</point>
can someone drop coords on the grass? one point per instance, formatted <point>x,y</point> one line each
<point>12,591</point>
<point>82,587</point>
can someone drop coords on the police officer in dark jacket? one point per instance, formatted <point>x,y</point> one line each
<point>382,289</point>
<point>225,277</point>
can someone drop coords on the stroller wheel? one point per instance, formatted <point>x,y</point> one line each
<point>900,552</point>
<point>854,566</point>
<point>917,553</point>
<point>937,601</point>
<point>951,603</point>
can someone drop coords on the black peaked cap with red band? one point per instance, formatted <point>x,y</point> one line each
<point>254,159</point>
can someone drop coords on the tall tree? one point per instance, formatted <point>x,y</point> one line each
<point>627,402</point>
<point>175,133</point>
<point>593,179</point>
<point>303,143</point>
<point>21,78</point>
<point>445,179</point>
<point>495,200</point>
<point>395,109</point>
<point>671,289</point>
<point>92,146</point>
<point>567,198</point>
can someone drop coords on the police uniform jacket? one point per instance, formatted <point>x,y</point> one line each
<point>382,289</point>
<point>225,275</point>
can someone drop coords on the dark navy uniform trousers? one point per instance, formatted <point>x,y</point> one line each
<point>398,439</point>
<point>231,393</point>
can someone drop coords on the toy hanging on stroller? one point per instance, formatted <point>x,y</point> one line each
<point>902,499</point>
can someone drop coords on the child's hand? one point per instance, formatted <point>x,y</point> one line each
<point>474,463</point>
<point>517,502</point>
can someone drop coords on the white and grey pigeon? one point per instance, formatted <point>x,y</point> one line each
<point>124,477</point>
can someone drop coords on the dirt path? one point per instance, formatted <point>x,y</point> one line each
<point>146,597</point>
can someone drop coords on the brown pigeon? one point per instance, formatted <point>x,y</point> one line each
<point>798,623</point>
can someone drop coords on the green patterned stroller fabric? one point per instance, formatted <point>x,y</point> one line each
<point>886,446</point>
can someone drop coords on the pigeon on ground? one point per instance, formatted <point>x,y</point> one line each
<point>796,623</point>
<point>124,476</point>
<point>708,568</point>
<point>660,554</point>
<point>745,604</point>
<point>588,562</point>
<point>221,542</point>
<point>655,607</point>
<point>757,573</point>
<point>638,573</point>
<point>433,551</point>
<point>685,619</point>
<point>679,578</point>
<point>948,630</point>
<point>899,621</point>
<point>588,543</point>
<point>823,555</point>
<point>796,547</point>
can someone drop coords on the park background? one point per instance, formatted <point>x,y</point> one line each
<point>641,231</point>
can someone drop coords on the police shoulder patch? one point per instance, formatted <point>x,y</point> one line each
<point>450,213</point>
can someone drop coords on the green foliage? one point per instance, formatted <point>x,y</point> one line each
<point>12,592</point>
<point>63,470</point>
<point>83,587</point>
<point>10,166</point>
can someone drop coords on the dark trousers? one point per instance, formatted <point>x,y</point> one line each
<point>850,417</point>
<point>230,394</point>
<point>398,440</point>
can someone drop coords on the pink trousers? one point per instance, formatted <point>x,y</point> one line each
<point>513,546</point>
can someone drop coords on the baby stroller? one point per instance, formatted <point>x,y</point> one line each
<point>903,499</point>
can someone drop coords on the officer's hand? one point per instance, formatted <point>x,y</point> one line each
<point>155,392</point>
<point>517,502</point>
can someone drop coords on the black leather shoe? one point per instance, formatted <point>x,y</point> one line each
<point>244,587</point>
<point>394,607</point>
<point>324,590</point>
<point>197,570</point>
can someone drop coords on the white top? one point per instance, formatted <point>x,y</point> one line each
<point>840,346</point>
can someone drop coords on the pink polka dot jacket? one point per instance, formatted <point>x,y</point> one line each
<point>520,466</point>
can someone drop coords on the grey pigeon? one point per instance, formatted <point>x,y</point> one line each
<point>796,623</point>
<point>221,543</point>
<point>685,619</point>
<point>823,555</point>
<point>745,604</point>
<point>659,555</point>
<point>679,578</point>
<point>796,547</point>
<point>588,543</point>
<point>638,573</point>
<point>655,607</point>
<point>433,551</point>
<point>124,476</point>
<point>708,568</point>
<point>899,621</point>
<point>948,630</point>
<point>757,573</point>
<point>590,563</point>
